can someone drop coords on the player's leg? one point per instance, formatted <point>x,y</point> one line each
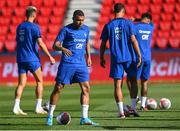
<point>39,91</point>
<point>144,90</point>
<point>22,78</point>
<point>53,101</point>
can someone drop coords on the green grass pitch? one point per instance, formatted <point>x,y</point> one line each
<point>102,109</point>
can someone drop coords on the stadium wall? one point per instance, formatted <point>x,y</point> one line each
<point>165,67</point>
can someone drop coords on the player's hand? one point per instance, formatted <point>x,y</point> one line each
<point>139,62</point>
<point>89,62</point>
<point>53,61</point>
<point>66,52</point>
<point>102,63</point>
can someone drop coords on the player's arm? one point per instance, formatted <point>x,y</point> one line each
<point>88,54</point>
<point>136,48</point>
<point>45,50</point>
<point>57,46</point>
<point>102,50</point>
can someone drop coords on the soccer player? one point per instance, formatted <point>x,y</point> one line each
<point>73,41</point>
<point>119,32</point>
<point>144,31</point>
<point>28,37</point>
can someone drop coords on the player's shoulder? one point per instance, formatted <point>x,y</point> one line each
<point>85,27</point>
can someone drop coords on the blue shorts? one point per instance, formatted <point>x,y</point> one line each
<point>71,73</point>
<point>117,70</point>
<point>143,71</point>
<point>24,67</point>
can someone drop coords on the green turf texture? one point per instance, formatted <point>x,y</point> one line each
<point>102,109</point>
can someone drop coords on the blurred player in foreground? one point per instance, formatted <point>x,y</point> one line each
<point>119,32</point>
<point>144,31</point>
<point>73,41</point>
<point>27,36</point>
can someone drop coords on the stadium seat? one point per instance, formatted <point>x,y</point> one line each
<point>16,20</point>
<point>2,3</point>
<point>51,37</point>
<point>164,34</point>
<point>1,46</point>
<point>132,2</point>
<point>61,3</point>
<point>43,29</point>
<point>130,10</point>
<point>152,43</point>
<point>10,45</point>
<point>45,11</point>
<point>107,3</point>
<point>176,25</point>
<point>143,8</point>
<point>177,8</point>
<point>175,34</point>
<point>58,11</point>
<point>53,29</point>
<point>156,18</point>
<point>37,3</point>
<point>176,17</point>
<point>24,3</point>
<point>3,30</point>
<point>4,21</point>
<point>161,42</point>
<point>170,1</point>
<point>105,11</point>
<point>12,4</point>
<point>49,44</point>
<point>174,42</point>
<point>165,26</point>
<point>49,3</point>
<point>168,8</point>
<point>6,12</point>
<point>43,20</point>
<point>2,38</point>
<point>11,37</point>
<point>144,2</point>
<point>155,9</point>
<point>20,12</point>
<point>56,20</point>
<point>157,1</point>
<point>12,29</point>
<point>121,1</point>
<point>166,17</point>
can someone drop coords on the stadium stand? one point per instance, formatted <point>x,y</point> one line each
<point>165,18</point>
<point>50,18</point>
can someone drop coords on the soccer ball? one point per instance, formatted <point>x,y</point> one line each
<point>63,118</point>
<point>151,104</point>
<point>46,106</point>
<point>165,103</point>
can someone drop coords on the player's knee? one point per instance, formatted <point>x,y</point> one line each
<point>58,88</point>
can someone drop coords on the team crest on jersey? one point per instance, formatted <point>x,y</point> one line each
<point>117,31</point>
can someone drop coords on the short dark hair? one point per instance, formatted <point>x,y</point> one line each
<point>146,15</point>
<point>30,10</point>
<point>118,7</point>
<point>78,13</point>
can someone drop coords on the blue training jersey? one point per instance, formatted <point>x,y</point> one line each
<point>119,32</point>
<point>75,40</point>
<point>144,33</point>
<point>27,34</point>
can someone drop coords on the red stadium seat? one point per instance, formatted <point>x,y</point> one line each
<point>168,8</point>
<point>105,11</point>
<point>58,11</point>
<point>2,38</point>
<point>130,10</point>
<point>20,12</point>
<point>155,9</point>
<point>37,3</point>
<point>43,20</point>
<point>51,37</point>
<point>152,43</point>
<point>166,17</point>
<point>3,30</point>
<point>161,42</point>
<point>43,29</point>
<point>176,25</point>
<point>4,21</point>
<point>49,3</point>
<point>11,37</point>
<point>12,4</point>
<point>175,34</point>
<point>120,1</point>
<point>6,12</point>
<point>10,45</point>
<point>2,3</point>
<point>178,8</point>
<point>53,29</point>
<point>157,1</point>
<point>45,11</point>
<point>108,3</point>
<point>170,1</point>
<point>174,42</point>
<point>56,20</point>
<point>176,17</point>
<point>145,2</point>
<point>132,2</point>
<point>12,29</point>
<point>17,20</point>
<point>1,46</point>
<point>165,26</point>
<point>164,34</point>
<point>61,3</point>
<point>156,18</point>
<point>24,3</point>
<point>103,20</point>
<point>49,44</point>
<point>143,8</point>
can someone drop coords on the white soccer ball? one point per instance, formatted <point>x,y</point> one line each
<point>164,103</point>
<point>63,118</point>
<point>151,104</point>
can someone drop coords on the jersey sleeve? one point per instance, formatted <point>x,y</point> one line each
<point>132,30</point>
<point>61,35</point>
<point>104,34</point>
<point>37,32</point>
<point>88,36</point>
